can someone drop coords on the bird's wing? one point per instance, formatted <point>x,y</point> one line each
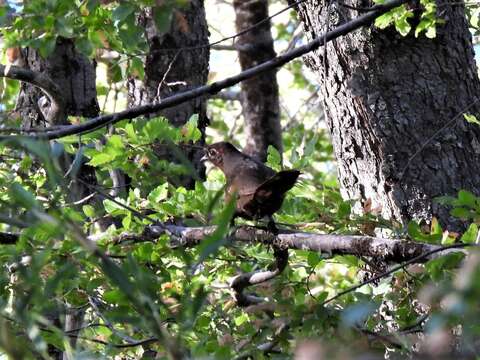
<point>248,176</point>
<point>279,184</point>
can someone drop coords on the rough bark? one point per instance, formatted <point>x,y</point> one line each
<point>72,72</point>
<point>259,96</point>
<point>169,69</point>
<point>386,98</point>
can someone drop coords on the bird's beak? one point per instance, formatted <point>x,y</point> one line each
<point>204,158</point>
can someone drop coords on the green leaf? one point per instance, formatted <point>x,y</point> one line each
<point>46,46</point>
<point>158,194</point>
<point>23,197</point>
<point>122,11</point>
<point>190,130</point>
<point>471,235</point>
<point>162,15</point>
<point>241,319</point>
<point>313,259</point>
<point>64,28</point>
<point>84,45</point>
<point>402,25</point>
<point>472,119</point>
<point>89,211</point>
<point>344,209</point>
<point>466,198</point>
<point>436,268</point>
<point>137,68</point>
<point>383,21</point>
<point>416,233</point>
<point>213,242</point>
<point>461,213</point>
<point>114,208</point>
<point>101,159</point>
<point>274,159</point>
<point>114,73</point>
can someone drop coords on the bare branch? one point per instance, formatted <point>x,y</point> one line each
<point>227,95</point>
<point>57,113</point>
<point>395,250</point>
<point>242,281</point>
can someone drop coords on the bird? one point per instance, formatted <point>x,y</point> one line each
<point>259,190</point>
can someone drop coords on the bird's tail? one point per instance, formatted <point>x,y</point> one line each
<point>280,183</point>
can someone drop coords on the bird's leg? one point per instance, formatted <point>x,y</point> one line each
<point>271,226</point>
<point>233,228</point>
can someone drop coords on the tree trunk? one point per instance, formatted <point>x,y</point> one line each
<point>71,71</point>
<point>75,74</point>
<point>387,97</point>
<point>169,69</point>
<point>259,98</point>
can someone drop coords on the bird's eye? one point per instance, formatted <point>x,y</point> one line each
<point>212,153</point>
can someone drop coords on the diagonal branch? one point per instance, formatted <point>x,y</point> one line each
<point>57,112</point>
<point>215,87</point>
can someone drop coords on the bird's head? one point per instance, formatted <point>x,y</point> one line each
<point>217,152</point>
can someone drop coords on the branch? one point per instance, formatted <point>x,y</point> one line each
<point>420,258</point>
<point>57,112</point>
<point>242,281</point>
<point>227,95</point>
<point>395,250</point>
<point>215,87</point>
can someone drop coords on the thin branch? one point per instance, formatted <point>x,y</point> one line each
<point>57,112</point>
<point>435,134</point>
<point>106,343</point>
<point>214,45</point>
<point>242,281</point>
<point>14,222</point>
<point>416,259</point>
<point>227,95</point>
<point>101,121</point>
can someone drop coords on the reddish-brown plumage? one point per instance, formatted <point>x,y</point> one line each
<point>259,189</point>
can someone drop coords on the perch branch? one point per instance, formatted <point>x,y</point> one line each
<point>395,250</point>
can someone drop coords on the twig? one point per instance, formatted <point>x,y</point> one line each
<point>394,269</point>
<point>429,140</point>
<point>240,282</point>
<point>233,37</point>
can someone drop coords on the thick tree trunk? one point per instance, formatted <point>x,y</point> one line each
<point>386,99</point>
<point>259,98</point>
<point>71,71</point>
<point>169,69</point>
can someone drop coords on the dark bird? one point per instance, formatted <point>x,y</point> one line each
<point>259,190</point>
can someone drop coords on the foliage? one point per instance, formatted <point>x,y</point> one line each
<point>67,256</point>
<point>399,17</point>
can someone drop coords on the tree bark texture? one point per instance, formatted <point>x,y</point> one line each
<point>169,69</point>
<point>386,99</point>
<point>259,96</point>
<point>71,71</point>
